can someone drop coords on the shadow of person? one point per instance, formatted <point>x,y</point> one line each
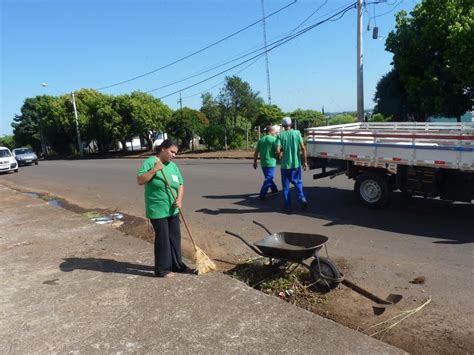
<point>106,265</point>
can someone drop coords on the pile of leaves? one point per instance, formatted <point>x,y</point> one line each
<point>290,282</point>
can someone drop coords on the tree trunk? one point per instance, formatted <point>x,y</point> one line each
<point>225,138</point>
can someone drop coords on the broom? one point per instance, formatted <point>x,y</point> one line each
<point>203,262</point>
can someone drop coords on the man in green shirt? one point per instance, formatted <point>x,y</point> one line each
<point>266,149</point>
<point>290,148</point>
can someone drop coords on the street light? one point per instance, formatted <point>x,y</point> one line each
<point>79,144</point>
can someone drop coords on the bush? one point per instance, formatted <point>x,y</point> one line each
<point>213,137</point>
<point>7,141</point>
<point>342,119</point>
<point>236,141</point>
<point>378,117</point>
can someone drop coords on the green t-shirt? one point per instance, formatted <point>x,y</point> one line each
<point>289,141</point>
<point>266,149</point>
<point>158,198</point>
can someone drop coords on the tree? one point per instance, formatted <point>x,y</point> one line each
<point>433,54</point>
<point>307,118</point>
<point>268,115</point>
<point>210,108</point>
<point>7,141</point>
<point>214,135</point>
<point>238,109</point>
<point>149,115</point>
<point>391,97</point>
<point>185,123</point>
<point>237,98</point>
<point>41,122</point>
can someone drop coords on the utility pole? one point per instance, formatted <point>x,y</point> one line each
<point>77,125</point>
<point>266,53</point>
<point>360,64</point>
<point>180,101</point>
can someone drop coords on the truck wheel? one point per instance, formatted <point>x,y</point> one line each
<point>372,190</point>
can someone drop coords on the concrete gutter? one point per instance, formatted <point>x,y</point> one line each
<point>69,285</point>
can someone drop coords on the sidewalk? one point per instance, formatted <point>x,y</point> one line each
<point>69,285</point>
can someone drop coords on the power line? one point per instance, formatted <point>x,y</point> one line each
<point>196,52</point>
<point>246,67</point>
<point>281,42</point>
<point>245,54</point>
<point>396,4</point>
<point>223,81</point>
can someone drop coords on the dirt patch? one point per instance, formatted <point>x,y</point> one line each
<point>416,329</point>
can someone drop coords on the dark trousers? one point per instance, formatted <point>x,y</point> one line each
<point>292,176</point>
<point>268,183</point>
<point>167,245</point>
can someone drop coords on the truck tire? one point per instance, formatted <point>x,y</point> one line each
<point>372,190</point>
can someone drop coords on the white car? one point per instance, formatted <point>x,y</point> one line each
<point>7,160</point>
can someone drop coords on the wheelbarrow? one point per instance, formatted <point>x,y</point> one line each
<point>296,248</point>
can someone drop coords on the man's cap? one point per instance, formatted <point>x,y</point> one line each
<point>286,121</point>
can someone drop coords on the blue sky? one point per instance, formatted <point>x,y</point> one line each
<point>78,44</point>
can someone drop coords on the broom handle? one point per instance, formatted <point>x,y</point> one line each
<point>180,212</point>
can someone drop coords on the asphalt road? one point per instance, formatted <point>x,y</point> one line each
<point>385,248</point>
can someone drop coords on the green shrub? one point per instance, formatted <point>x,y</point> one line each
<point>342,119</point>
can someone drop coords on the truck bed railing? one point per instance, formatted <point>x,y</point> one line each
<point>446,145</point>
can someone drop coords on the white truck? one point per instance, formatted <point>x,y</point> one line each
<point>423,159</point>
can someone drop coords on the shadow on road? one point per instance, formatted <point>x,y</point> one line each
<point>105,265</point>
<point>412,216</point>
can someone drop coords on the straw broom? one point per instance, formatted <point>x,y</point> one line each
<point>203,263</point>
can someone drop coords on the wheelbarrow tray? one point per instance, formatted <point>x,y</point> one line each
<point>291,246</point>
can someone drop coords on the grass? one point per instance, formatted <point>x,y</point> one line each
<point>290,282</point>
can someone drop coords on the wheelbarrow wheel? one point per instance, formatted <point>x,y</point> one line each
<point>327,276</point>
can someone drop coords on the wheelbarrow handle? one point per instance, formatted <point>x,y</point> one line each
<point>261,225</point>
<point>247,243</point>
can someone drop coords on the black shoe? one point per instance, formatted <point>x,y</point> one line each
<point>262,198</point>
<point>304,205</point>
<point>288,210</point>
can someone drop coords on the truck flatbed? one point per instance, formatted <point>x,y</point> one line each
<point>440,145</point>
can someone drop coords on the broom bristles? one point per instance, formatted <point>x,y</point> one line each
<point>203,262</point>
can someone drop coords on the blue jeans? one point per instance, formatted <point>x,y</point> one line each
<point>268,183</point>
<point>292,176</point>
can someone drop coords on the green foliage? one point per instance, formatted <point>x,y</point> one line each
<point>103,119</point>
<point>43,118</point>
<point>433,55</point>
<point>342,119</point>
<point>213,136</point>
<point>7,141</point>
<point>390,97</point>
<point>307,118</point>
<point>237,140</point>
<point>148,114</point>
<point>185,123</point>
<point>378,117</point>
<point>237,99</point>
<point>268,115</point>
<point>210,108</point>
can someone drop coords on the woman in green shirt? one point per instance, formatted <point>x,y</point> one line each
<point>163,209</point>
